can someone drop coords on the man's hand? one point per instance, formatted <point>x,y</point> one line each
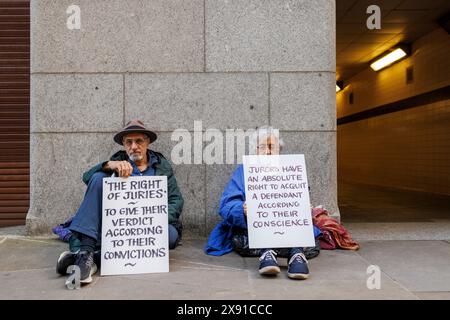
<point>123,168</point>
<point>245,209</point>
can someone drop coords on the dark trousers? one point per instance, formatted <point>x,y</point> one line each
<point>240,245</point>
<point>88,219</point>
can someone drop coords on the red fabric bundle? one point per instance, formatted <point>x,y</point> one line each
<point>334,235</point>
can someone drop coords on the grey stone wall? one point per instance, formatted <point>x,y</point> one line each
<point>229,63</point>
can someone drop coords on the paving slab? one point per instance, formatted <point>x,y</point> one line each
<point>40,284</point>
<point>437,230</point>
<point>336,275</point>
<point>417,265</point>
<point>192,252</point>
<point>15,230</point>
<point>25,253</point>
<point>444,295</point>
<point>183,282</point>
<point>27,272</point>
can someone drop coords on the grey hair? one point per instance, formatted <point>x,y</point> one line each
<point>262,133</point>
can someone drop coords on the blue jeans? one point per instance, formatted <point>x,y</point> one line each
<point>88,219</point>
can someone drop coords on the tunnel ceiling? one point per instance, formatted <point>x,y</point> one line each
<point>402,21</point>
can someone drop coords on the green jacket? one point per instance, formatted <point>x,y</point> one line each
<point>162,168</point>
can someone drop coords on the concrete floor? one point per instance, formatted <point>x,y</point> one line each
<point>376,213</point>
<point>409,270</point>
<point>365,203</point>
<point>408,239</point>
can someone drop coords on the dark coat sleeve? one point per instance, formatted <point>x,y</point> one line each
<point>175,199</point>
<point>88,174</point>
<point>118,156</point>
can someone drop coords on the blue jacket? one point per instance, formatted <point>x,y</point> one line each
<point>232,211</point>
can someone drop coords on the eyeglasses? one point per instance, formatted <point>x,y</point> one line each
<point>129,142</point>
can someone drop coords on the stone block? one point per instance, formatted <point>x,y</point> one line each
<point>219,100</point>
<point>284,35</point>
<point>58,161</point>
<point>118,36</point>
<point>303,101</point>
<point>70,103</point>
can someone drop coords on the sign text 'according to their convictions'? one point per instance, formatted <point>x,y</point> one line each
<point>135,225</point>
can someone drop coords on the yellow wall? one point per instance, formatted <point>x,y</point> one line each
<point>407,149</point>
<point>431,62</point>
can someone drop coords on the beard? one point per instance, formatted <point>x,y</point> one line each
<point>136,157</point>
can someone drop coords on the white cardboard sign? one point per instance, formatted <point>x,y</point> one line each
<point>278,205</point>
<point>135,236</point>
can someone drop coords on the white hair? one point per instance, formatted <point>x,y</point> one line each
<point>262,134</point>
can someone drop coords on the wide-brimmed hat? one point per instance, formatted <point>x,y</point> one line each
<point>134,126</point>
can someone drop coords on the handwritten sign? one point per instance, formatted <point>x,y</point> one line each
<point>277,197</point>
<point>135,235</point>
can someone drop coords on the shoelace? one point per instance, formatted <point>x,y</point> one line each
<point>86,258</point>
<point>269,254</point>
<point>300,257</point>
